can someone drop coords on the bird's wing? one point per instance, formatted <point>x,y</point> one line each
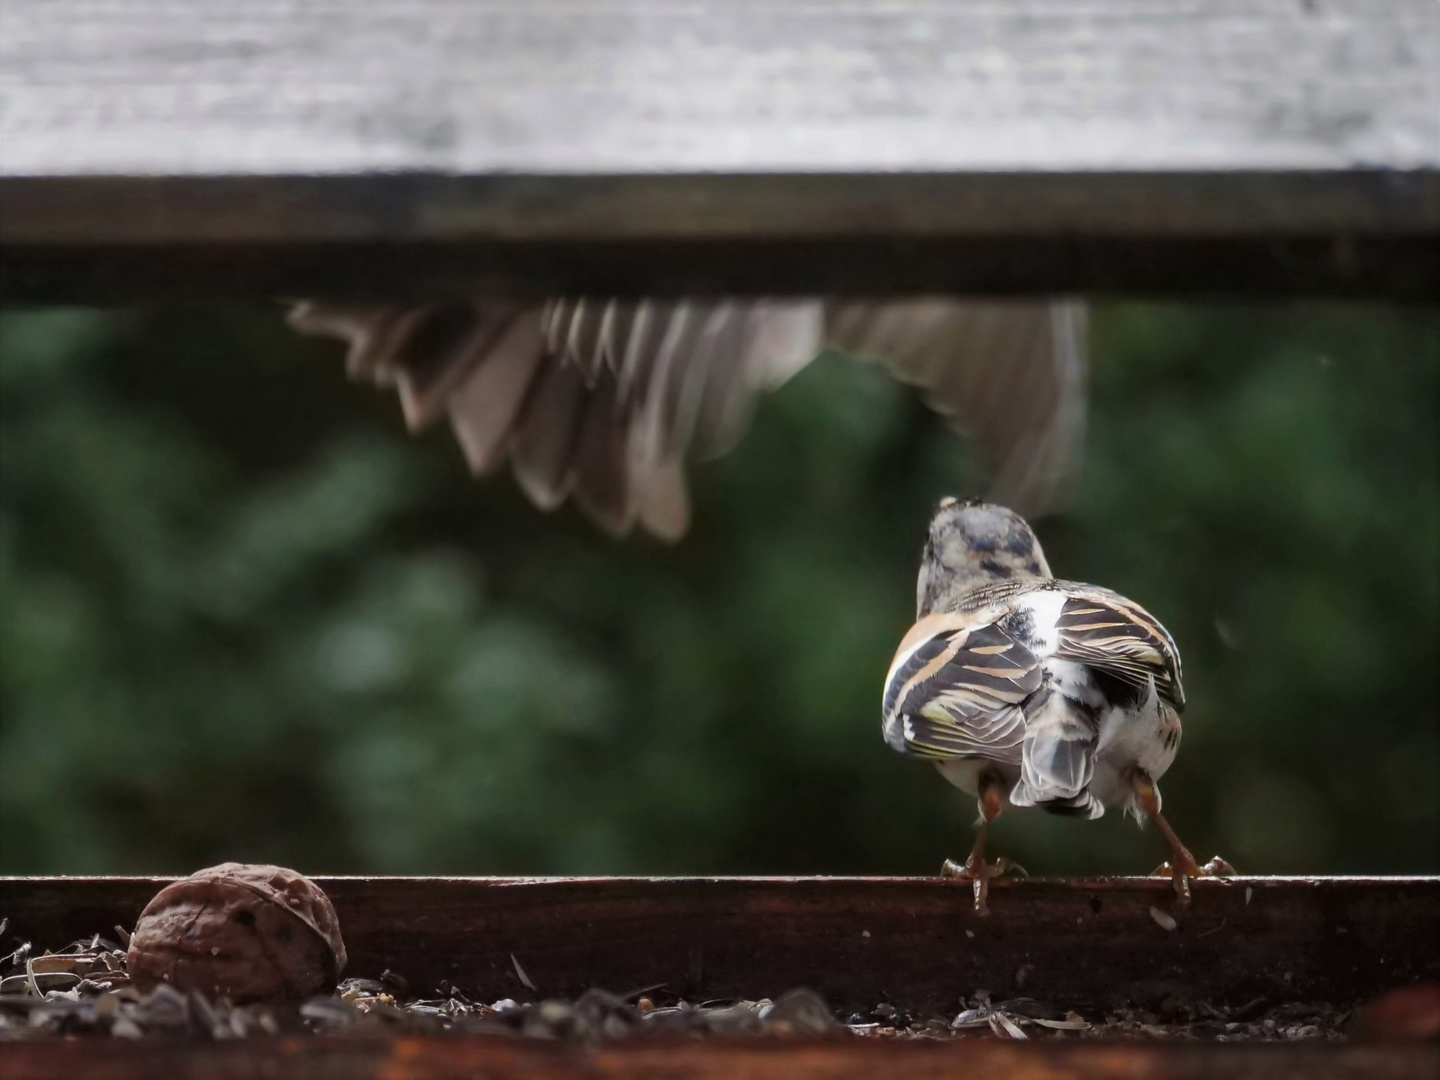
<point>599,401</point>
<point>1106,631</point>
<point>1011,374</point>
<point>602,400</point>
<point>955,689</point>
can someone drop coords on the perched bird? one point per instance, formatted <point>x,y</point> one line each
<point>1030,691</point>
<point>602,400</point>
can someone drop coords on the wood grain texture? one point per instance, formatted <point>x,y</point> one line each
<point>154,149</point>
<point>212,87</point>
<point>465,1058</point>
<point>1080,944</point>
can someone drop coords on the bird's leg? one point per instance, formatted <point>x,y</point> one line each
<point>1182,865</point>
<point>976,870</point>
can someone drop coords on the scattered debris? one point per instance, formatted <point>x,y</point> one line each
<point>85,990</point>
<point>1006,1019</point>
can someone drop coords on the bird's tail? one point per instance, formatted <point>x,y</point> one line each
<point>1058,757</point>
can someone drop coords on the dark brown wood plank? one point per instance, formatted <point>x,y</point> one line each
<point>133,239</point>
<point>851,1059</point>
<point>1400,269</point>
<point>163,150</point>
<point>1084,944</point>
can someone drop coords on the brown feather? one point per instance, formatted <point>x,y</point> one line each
<point>361,326</point>
<point>723,408</point>
<point>712,359</point>
<point>484,408</point>
<point>1124,640</point>
<point>686,374</point>
<point>615,331</point>
<point>636,355</point>
<point>582,339</point>
<point>439,353</point>
<point>674,360</point>
<point>661,499</point>
<point>602,487</point>
<point>545,439</point>
<point>1011,374</point>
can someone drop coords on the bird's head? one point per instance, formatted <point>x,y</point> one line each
<point>971,544</point>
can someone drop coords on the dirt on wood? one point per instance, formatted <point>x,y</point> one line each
<point>85,990</point>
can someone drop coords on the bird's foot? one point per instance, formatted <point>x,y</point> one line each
<point>1184,867</point>
<point>979,873</point>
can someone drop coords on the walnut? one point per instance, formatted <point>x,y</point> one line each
<point>246,932</point>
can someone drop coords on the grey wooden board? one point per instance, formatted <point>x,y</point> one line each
<point>653,86</point>
<point>209,146</point>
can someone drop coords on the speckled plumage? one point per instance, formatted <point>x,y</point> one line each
<point>1064,688</point>
<point>1028,690</point>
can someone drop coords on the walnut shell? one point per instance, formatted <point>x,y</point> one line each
<point>246,932</point>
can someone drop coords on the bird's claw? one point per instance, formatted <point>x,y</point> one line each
<point>1185,867</point>
<point>978,872</point>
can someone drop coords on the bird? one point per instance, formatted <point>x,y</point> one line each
<point>1030,691</point>
<point>601,400</point>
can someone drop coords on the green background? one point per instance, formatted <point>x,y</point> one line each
<point>242,616</point>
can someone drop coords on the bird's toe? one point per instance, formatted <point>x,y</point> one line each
<point>980,873</point>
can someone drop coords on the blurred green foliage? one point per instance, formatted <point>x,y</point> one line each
<point>242,616</point>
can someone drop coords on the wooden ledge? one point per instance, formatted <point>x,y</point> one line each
<point>1085,944</point>
<point>127,239</point>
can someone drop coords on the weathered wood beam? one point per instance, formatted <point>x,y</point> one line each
<point>1085,944</point>
<point>152,149</point>
<point>127,239</point>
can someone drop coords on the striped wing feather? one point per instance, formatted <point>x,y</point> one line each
<point>955,691</point>
<point>1010,374</point>
<point>601,400</point>
<point>1106,631</point>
